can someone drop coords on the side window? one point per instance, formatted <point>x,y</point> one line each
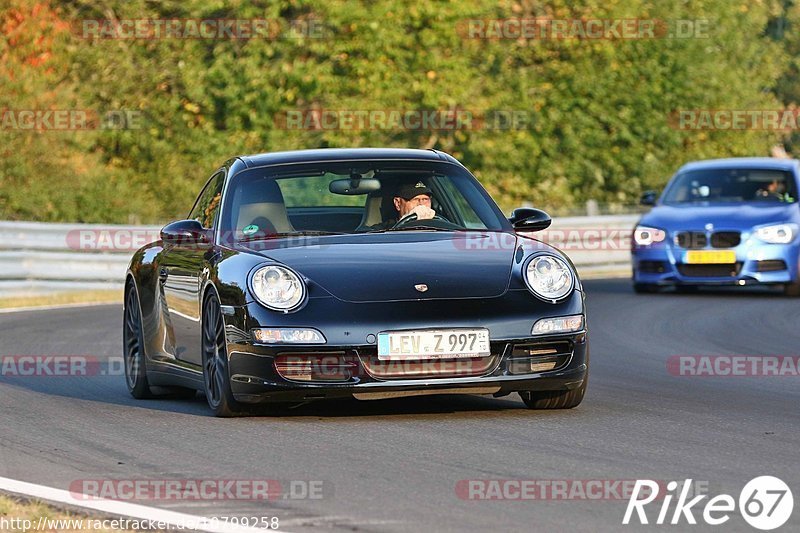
<point>207,204</point>
<point>468,216</point>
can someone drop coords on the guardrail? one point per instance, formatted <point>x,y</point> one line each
<point>45,257</point>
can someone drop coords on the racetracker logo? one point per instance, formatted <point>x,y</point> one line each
<point>27,366</point>
<point>734,365</point>
<point>402,119</point>
<point>544,29</point>
<point>566,239</point>
<point>765,503</point>
<point>111,239</point>
<point>122,239</point>
<point>213,29</point>
<point>345,368</point>
<point>69,120</point>
<point>735,119</point>
<point>198,489</point>
<point>555,489</point>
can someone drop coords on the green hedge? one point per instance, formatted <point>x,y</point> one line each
<point>598,112</point>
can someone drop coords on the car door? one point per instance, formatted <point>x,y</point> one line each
<point>181,272</point>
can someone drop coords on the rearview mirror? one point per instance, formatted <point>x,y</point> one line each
<point>648,198</point>
<point>354,186</point>
<point>530,219</point>
<point>185,233</point>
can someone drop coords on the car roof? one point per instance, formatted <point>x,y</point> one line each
<point>743,162</point>
<point>344,154</point>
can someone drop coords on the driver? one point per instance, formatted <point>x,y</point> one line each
<point>409,199</point>
<point>413,198</point>
<point>776,190</point>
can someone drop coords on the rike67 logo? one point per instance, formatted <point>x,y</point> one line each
<point>765,503</point>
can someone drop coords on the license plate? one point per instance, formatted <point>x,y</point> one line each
<point>433,344</point>
<point>710,257</point>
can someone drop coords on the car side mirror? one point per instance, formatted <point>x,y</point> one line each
<point>530,219</point>
<point>185,233</point>
<point>648,198</point>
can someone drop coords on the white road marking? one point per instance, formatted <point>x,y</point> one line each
<point>124,509</point>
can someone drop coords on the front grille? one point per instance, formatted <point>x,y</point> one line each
<point>710,271</point>
<point>691,240</point>
<point>770,265</point>
<point>652,267</point>
<point>695,240</point>
<point>430,368</point>
<point>726,239</point>
<point>535,357</point>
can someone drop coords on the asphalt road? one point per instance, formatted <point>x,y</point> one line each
<point>394,465</point>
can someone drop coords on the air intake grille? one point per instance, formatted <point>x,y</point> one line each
<point>771,265</point>
<point>710,271</point>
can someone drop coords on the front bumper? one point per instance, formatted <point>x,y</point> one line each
<point>254,377</point>
<point>756,263</point>
<point>351,329</point>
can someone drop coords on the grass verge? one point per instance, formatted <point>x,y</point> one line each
<point>23,516</point>
<point>62,298</point>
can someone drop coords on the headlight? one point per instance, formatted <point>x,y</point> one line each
<point>549,277</point>
<point>278,288</point>
<point>777,234</point>
<point>645,235</point>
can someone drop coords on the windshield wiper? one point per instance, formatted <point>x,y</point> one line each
<point>415,228</point>
<point>280,235</point>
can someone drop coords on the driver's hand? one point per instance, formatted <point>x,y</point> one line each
<point>423,212</point>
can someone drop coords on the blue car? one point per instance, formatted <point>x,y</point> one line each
<point>721,222</point>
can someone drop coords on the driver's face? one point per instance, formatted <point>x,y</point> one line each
<point>775,187</point>
<point>404,206</point>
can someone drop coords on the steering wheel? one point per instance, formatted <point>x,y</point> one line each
<point>436,222</point>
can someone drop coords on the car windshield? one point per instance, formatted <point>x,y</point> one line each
<point>353,197</point>
<point>731,185</point>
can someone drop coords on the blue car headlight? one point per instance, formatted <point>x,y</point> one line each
<point>777,233</point>
<point>646,235</point>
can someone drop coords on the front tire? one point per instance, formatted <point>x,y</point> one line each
<point>133,347</point>
<point>216,377</point>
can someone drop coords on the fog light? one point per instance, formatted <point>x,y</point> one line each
<point>288,336</point>
<point>563,324</point>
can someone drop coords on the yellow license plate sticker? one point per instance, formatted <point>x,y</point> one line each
<point>710,257</point>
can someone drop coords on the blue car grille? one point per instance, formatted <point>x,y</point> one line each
<point>726,239</point>
<point>694,240</point>
<point>691,239</point>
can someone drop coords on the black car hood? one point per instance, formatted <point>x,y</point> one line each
<point>388,266</point>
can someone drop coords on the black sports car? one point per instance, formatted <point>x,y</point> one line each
<point>366,273</point>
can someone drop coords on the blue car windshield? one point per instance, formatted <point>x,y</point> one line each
<point>731,185</point>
